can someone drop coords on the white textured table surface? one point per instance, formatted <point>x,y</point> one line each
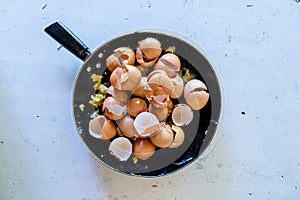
<point>255,46</point>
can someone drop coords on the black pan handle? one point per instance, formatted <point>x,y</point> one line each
<point>59,32</point>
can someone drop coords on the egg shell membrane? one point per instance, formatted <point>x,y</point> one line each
<point>182,115</point>
<point>121,148</point>
<point>159,100</point>
<point>114,109</point>
<point>146,124</point>
<point>95,128</point>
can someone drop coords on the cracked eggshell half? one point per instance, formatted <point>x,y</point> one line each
<point>143,148</point>
<point>159,79</point>
<point>148,51</point>
<point>143,90</point>
<point>113,108</point>
<point>170,63</point>
<point>146,124</point>
<point>164,136</point>
<point>195,94</point>
<point>182,115</point>
<point>102,128</point>
<point>119,95</point>
<point>136,106</point>
<point>178,136</point>
<point>127,128</point>
<point>126,78</point>
<point>178,87</point>
<point>121,148</point>
<point>125,55</point>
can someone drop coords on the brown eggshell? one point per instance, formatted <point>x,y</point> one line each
<point>160,113</point>
<point>195,94</point>
<point>164,136</point>
<point>119,95</point>
<point>150,47</point>
<point>182,115</point>
<point>136,106</point>
<point>112,62</point>
<point>126,78</point>
<point>121,55</point>
<point>159,78</point>
<point>178,137</point>
<point>197,100</point>
<point>113,108</point>
<point>127,55</point>
<point>143,148</point>
<point>142,60</point>
<point>178,87</point>
<point>194,85</point>
<point>127,128</point>
<point>170,63</point>
<point>143,90</point>
<point>146,124</point>
<point>102,128</point>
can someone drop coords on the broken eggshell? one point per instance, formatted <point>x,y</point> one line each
<point>195,94</point>
<point>142,61</point>
<point>119,95</point>
<point>127,128</point>
<point>148,51</point>
<point>127,78</point>
<point>178,136</point>
<point>146,124</point>
<point>143,90</point>
<point>170,63</point>
<point>136,106</point>
<point>178,87</point>
<point>102,128</point>
<point>159,78</point>
<point>121,55</point>
<point>143,148</point>
<point>121,148</point>
<point>113,108</point>
<point>160,112</point>
<point>182,115</point>
<point>164,136</point>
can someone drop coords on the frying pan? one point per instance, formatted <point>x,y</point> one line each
<point>200,135</point>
